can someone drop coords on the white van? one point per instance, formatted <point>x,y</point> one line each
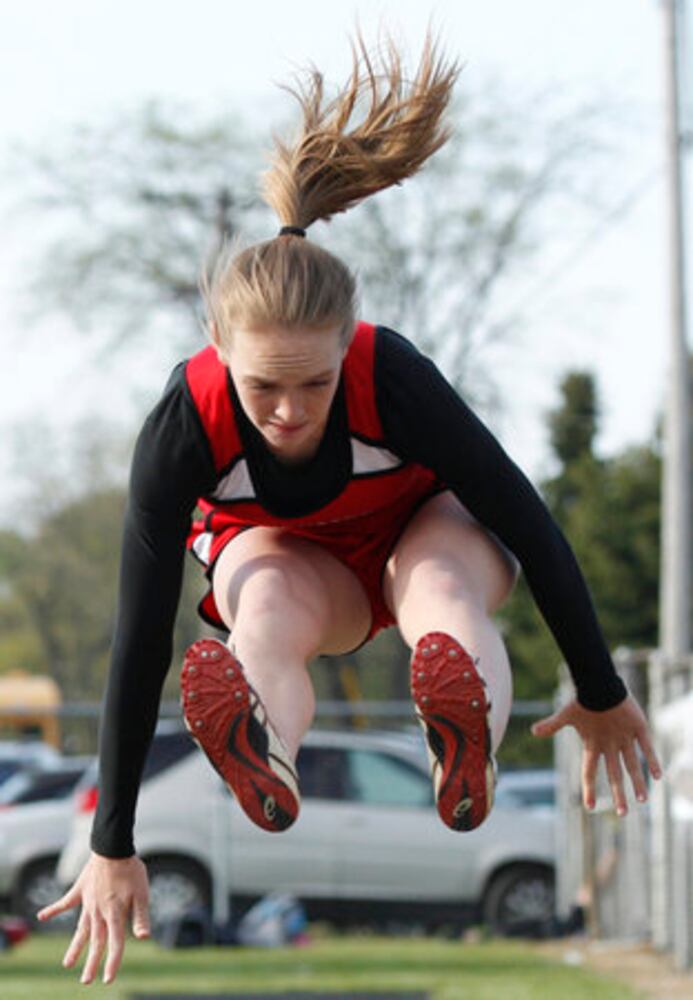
<point>368,840</point>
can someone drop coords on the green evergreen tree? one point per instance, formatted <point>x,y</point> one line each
<point>609,510</point>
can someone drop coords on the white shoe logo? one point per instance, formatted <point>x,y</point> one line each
<point>270,808</point>
<point>462,807</point>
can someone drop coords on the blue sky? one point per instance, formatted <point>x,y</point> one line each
<point>601,305</point>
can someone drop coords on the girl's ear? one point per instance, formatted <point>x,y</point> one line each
<point>213,334</point>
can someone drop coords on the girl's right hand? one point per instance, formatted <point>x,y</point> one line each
<point>109,889</point>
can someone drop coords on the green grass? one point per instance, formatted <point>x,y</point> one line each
<point>447,970</point>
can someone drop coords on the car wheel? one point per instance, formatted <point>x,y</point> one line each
<point>39,886</point>
<point>520,901</point>
<point>176,886</point>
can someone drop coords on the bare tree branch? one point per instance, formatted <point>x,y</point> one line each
<point>134,207</point>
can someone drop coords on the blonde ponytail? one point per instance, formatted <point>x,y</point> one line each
<point>378,131</point>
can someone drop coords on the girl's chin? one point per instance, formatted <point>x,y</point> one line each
<point>292,446</point>
<point>289,451</point>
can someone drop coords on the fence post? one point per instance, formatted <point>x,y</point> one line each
<point>603,859</point>
<point>672,836</point>
<point>569,832</point>
<point>620,875</point>
<point>660,805</point>
<point>683,895</point>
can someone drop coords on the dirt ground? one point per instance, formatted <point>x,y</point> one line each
<point>639,965</point>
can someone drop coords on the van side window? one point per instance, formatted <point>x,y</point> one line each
<point>382,779</point>
<point>322,773</point>
<point>166,750</point>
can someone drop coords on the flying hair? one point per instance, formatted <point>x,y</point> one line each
<point>379,130</point>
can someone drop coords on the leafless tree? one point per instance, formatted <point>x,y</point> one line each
<point>134,207</point>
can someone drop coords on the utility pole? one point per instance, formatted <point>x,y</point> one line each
<point>676,500</point>
<point>667,680</point>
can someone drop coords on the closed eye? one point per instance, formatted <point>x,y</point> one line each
<point>320,381</point>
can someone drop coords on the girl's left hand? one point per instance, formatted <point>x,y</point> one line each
<point>615,734</point>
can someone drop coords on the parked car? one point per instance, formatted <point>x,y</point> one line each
<point>32,784</point>
<point>368,839</point>
<point>15,755</point>
<point>35,819</point>
<point>13,930</point>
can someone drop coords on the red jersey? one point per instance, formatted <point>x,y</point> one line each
<point>360,525</point>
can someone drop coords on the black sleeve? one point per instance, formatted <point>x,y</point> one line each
<point>171,468</point>
<point>455,444</point>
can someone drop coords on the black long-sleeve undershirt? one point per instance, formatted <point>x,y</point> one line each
<point>171,468</point>
<point>424,421</point>
<point>452,441</point>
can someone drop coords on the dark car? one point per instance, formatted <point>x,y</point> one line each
<point>35,817</point>
<point>32,784</point>
<point>16,755</point>
<point>12,931</point>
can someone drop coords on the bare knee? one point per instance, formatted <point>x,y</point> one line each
<point>483,567</point>
<point>271,587</point>
<point>446,554</point>
<point>444,580</point>
<point>301,593</point>
<point>263,586</point>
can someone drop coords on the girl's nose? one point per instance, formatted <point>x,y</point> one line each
<point>290,409</point>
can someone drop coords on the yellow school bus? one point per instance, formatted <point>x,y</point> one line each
<point>29,705</point>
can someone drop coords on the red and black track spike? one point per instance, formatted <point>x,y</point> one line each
<point>227,720</point>
<point>453,708</point>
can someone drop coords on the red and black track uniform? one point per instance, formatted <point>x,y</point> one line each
<point>375,499</point>
<point>393,414</point>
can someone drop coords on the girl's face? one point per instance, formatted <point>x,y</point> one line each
<point>286,381</point>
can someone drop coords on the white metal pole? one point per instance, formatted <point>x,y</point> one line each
<point>676,499</point>
<point>675,586</point>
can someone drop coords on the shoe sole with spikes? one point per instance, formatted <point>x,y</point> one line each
<point>454,711</point>
<point>227,720</point>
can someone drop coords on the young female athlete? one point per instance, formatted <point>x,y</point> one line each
<point>343,486</point>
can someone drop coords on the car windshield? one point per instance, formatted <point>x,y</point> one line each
<point>526,794</point>
<point>13,787</point>
<point>382,779</point>
<point>38,786</point>
<point>166,750</point>
<point>7,769</point>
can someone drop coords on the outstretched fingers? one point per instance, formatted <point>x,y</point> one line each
<point>614,773</point>
<point>550,725</point>
<point>648,750</point>
<point>635,771</point>
<point>115,922</point>
<point>71,899</point>
<point>79,940</point>
<point>108,889</point>
<point>141,927</point>
<point>97,945</point>
<point>116,945</point>
<point>614,734</point>
<point>615,759</point>
<point>590,762</point>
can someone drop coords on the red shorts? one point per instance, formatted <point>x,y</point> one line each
<point>363,543</point>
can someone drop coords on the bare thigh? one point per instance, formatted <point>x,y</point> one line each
<point>445,548</point>
<point>313,592</point>
<point>448,574</point>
